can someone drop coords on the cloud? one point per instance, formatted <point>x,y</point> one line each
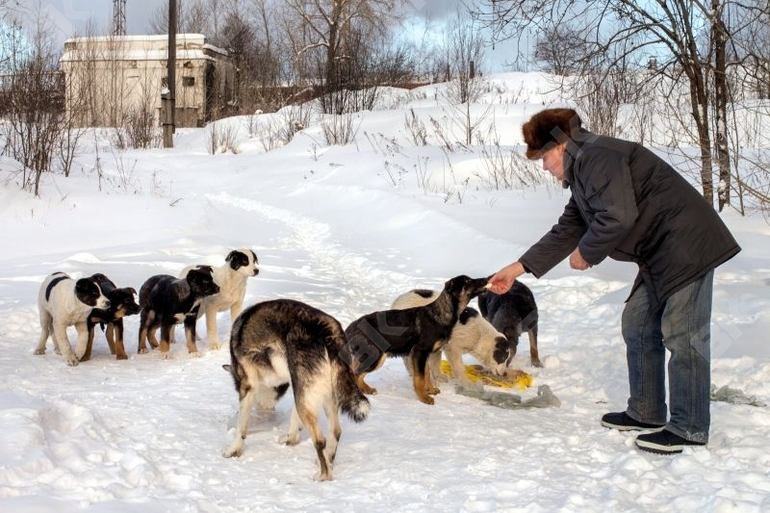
<point>434,10</point>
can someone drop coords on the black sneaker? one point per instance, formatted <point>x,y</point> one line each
<point>622,422</point>
<point>663,442</point>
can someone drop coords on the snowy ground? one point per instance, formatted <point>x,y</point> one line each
<point>347,229</point>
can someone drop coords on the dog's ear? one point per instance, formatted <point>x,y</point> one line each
<point>231,255</point>
<point>456,284</point>
<point>195,276</point>
<point>467,314</point>
<point>87,291</point>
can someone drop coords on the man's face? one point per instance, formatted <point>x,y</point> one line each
<point>553,161</point>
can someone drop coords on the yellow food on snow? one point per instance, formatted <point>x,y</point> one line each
<point>513,379</point>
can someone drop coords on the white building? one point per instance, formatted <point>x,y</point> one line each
<point>112,79</point>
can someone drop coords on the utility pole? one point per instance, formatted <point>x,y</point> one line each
<point>168,98</point>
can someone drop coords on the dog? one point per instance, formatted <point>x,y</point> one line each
<point>63,302</point>
<point>122,303</point>
<point>167,301</point>
<point>512,314</point>
<point>472,335</point>
<point>280,342</point>
<point>414,332</point>
<point>240,264</point>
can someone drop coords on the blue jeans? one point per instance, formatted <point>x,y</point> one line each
<point>683,327</point>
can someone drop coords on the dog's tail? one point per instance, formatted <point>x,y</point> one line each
<point>350,398</point>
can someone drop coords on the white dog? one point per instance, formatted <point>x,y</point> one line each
<point>64,302</point>
<point>240,264</point>
<point>472,335</point>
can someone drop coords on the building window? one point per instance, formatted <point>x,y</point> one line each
<point>188,81</point>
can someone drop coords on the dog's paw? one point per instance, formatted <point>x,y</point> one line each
<point>195,354</point>
<point>214,346</point>
<point>40,351</point>
<point>536,363</point>
<point>142,350</point>
<point>433,390</point>
<point>72,360</point>
<point>289,439</point>
<point>427,400</point>
<point>122,357</point>
<point>164,356</point>
<point>232,452</point>
<point>57,350</point>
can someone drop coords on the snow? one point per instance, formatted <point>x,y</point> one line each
<point>347,229</point>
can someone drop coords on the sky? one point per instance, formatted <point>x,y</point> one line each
<point>347,229</point>
<point>72,17</point>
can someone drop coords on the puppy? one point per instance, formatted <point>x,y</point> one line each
<point>122,303</point>
<point>62,302</point>
<point>281,342</point>
<point>167,301</point>
<point>513,313</point>
<point>414,332</point>
<point>472,335</point>
<point>240,264</point>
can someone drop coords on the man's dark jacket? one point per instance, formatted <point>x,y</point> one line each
<point>630,205</point>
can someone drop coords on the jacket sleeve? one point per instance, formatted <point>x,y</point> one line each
<point>557,244</point>
<point>605,180</point>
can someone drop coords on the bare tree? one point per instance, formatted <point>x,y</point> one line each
<point>465,51</point>
<point>562,49</point>
<point>193,16</point>
<point>33,104</point>
<point>326,34</point>
<point>687,37</point>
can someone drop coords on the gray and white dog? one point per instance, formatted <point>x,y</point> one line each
<point>282,342</point>
<point>472,335</point>
<point>240,265</point>
<point>63,302</point>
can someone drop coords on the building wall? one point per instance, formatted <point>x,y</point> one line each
<point>111,78</point>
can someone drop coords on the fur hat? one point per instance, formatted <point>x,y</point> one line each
<point>548,127</point>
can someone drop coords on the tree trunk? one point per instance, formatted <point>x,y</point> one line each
<point>721,99</point>
<point>700,109</point>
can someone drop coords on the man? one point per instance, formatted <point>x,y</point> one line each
<point>630,205</point>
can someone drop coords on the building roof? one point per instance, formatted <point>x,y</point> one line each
<point>149,47</point>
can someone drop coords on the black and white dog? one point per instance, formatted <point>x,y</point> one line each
<point>63,302</point>
<point>282,342</point>
<point>240,264</point>
<point>414,332</point>
<point>167,301</point>
<point>122,303</point>
<point>472,335</point>
<point>513,313</point>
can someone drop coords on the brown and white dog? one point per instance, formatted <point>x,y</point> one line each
<point>472,335</point>
<point>240,265</point>
<point>122,303</point>
<point>414,332</point>
<point>63,302</point>
<point>167,301</point>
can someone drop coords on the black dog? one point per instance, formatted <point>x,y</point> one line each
<point>512,314</point>
<point>415,332</point>
<point>122,303</point>
<point>167,301</point>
